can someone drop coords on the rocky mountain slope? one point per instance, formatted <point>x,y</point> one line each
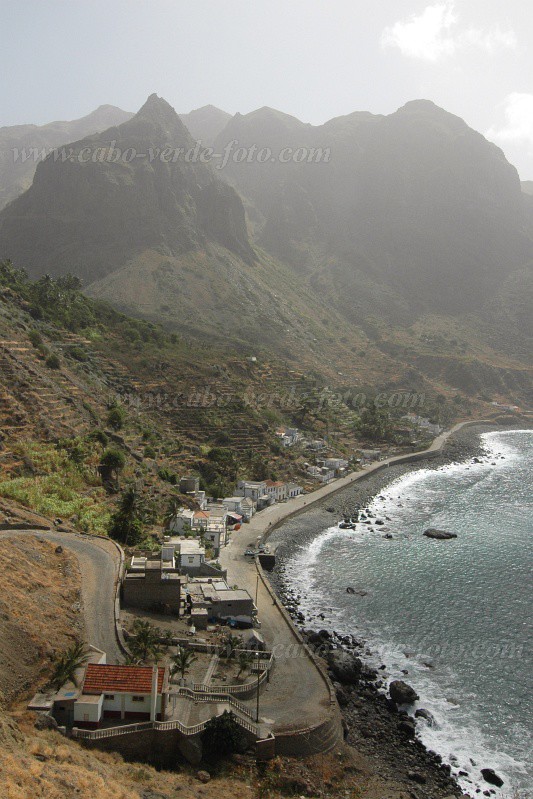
<point>205,123</point>
<point>93,215</point>
<point>23,146</point>
<point>409,213</point>
<point>397,251</point>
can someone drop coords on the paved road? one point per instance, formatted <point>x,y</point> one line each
<point>297,695</point>
<point>99,563</point>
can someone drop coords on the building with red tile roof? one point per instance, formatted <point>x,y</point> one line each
<point>103,678</point>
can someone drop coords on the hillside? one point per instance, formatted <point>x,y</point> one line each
<point>92,217</point>
<point>41,618</point>
<point>397,261</point>
<point>33,142</point>
<point>205,123</point>
<point>411,213</point>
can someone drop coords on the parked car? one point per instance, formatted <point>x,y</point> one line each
<point>251,553</point>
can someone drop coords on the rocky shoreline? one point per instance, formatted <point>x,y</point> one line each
<point>375,725</point>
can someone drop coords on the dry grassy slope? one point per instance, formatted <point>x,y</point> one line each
<point>39,610</point>
<point>38,589</point>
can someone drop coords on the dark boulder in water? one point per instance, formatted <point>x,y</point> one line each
<point>422,713</point>
<point>402,693</point>
<point>490,776</point>
<point>440,535</point>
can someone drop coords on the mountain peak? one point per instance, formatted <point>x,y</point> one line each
<point>156,106</point>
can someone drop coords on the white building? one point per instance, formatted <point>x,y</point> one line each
<point>233,504</point>
<point>276,490</point>
<point>248,508</point>
<point>134,693</point>
<point>294,490</point>
<point>253,490</point>
<point>182,521</point>
<point>191,555</point>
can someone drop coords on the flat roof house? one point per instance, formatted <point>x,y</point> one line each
<point>253,490</point>
<point>154,583</point>
<point>220,601</point>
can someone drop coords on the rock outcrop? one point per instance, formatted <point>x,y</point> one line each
<point>402,693</point>
<point>440,535</point>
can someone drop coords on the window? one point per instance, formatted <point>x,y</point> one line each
<point>137,698</point>
<point>109,696</point>
<point>191,559</point>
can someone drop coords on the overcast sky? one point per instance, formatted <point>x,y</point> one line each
<point>315,59</point>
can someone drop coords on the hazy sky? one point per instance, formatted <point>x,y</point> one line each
<point>312,58</point>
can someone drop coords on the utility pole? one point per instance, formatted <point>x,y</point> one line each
<point>256,589</point>
<point>258,675</point>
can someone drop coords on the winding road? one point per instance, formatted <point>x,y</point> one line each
<point>99,562</point>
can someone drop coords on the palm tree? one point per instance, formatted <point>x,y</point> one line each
<point>66,665</point>
<point>172,511</point>
<point>182,660</point>
<point>145,644</point>
<point>231,643</point>
<point>245,661</point>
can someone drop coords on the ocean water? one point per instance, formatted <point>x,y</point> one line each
<point>455,615</point>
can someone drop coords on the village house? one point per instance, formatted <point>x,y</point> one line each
<point>216,535</point>
<point>60,703</point>
<point>247,508</point>
<point>294,490</point>
<point>252,490</point>
<point>289,436</point>
<point>339,465</point>
<point>154,583</point>
<point>128,693</point>
<point>218,601</point>
<point>200,499</point>
<point>276,490</point>
<point>200,520</point>
<point>233,504</point>
<point>189,485</point>
<point>321,473</point>
<point>182,522</point>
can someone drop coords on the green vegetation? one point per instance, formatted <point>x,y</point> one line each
<point>116,417</point>
<point>182,660</point>
<point>66,664</point>
<point>375,424</point>
<point>60,302</point>
<point>53,362</point>
<point>113,461</point>
<point>144,644</point>
<point>244,660</point>
<point>128,522</point>
<point>222,736</point>
<point>51,482</point>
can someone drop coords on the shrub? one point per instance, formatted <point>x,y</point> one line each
<point>53,362</point>
<point>99,436</point>
<point>77,353</point>
<point>149,452</point>
<point>116,417</point>
<point>113,459</point>
<point>35,338</point>
<point>222,736</point>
